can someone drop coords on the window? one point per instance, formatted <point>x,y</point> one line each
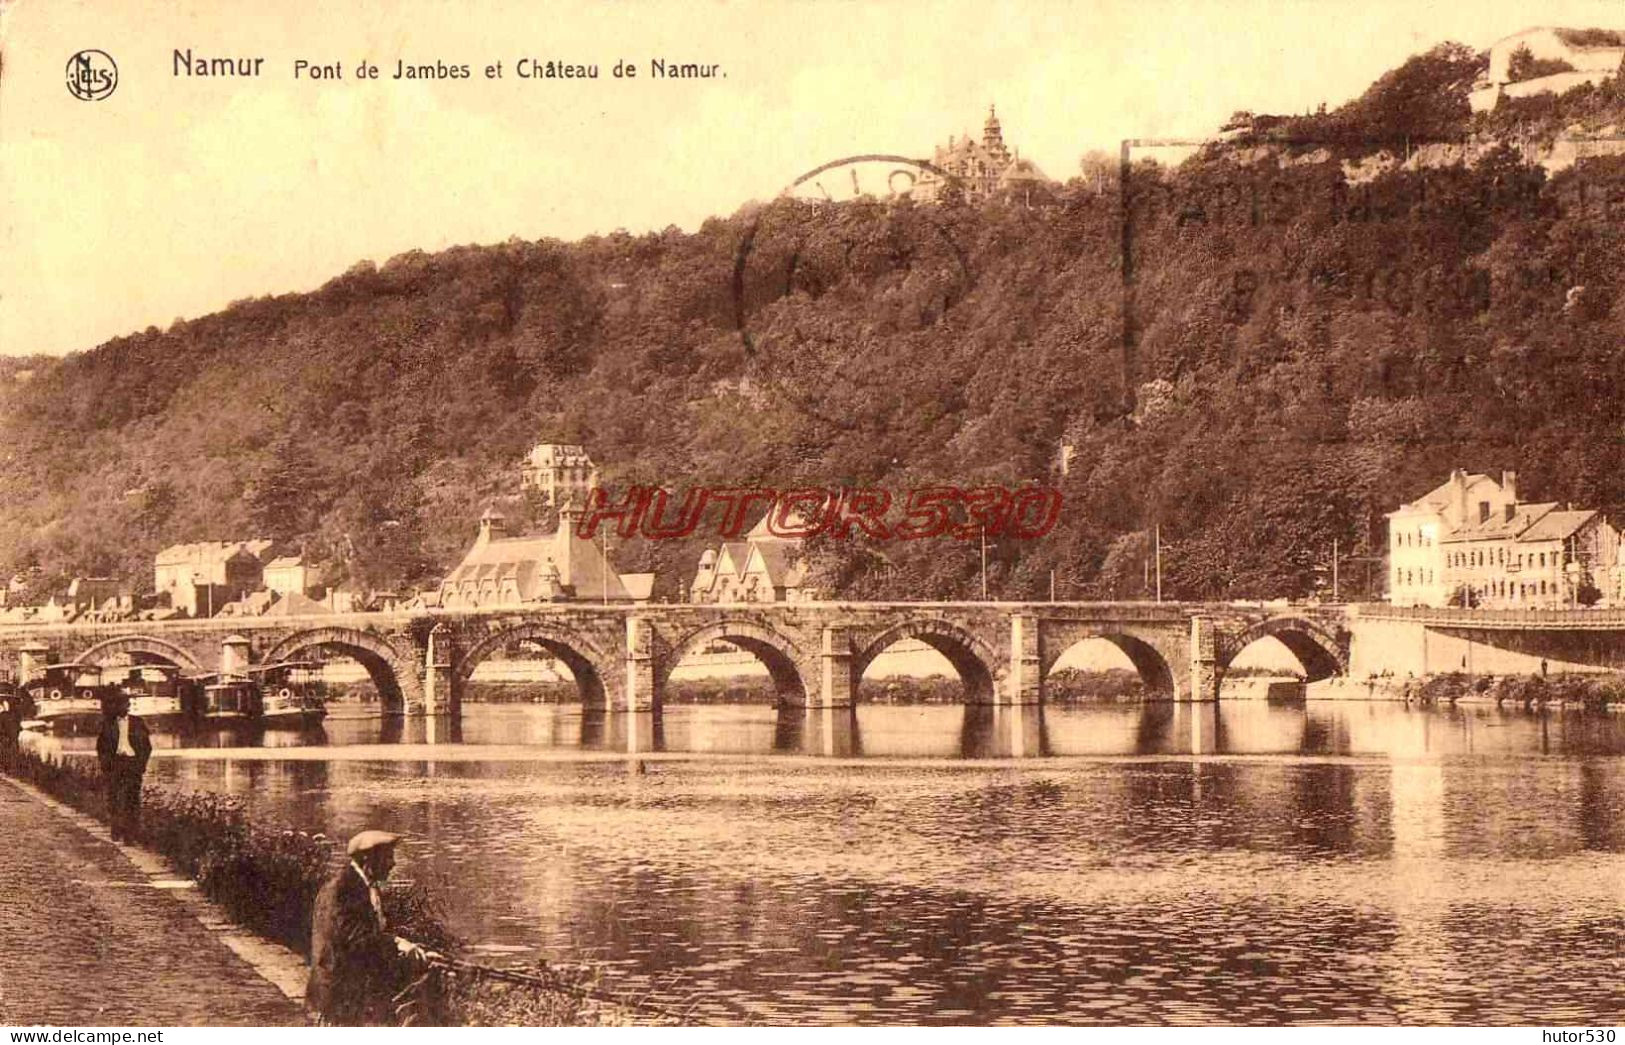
<point>1543,563</point>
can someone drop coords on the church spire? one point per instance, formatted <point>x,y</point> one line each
<point>992,133</point>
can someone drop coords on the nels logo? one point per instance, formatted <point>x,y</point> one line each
<point>92,75</point>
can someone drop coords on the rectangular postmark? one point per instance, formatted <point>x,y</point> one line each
<point>1288,229</point>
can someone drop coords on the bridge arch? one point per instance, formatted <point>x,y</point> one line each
<point>582,656</point>
<point>393,674</point>
<point>1153,667</point>
<point>141,645</point>
<point>970,656</point>
<point>777,652</point>
<point>1316,647</point>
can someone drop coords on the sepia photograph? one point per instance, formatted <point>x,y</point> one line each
<point>811,513</point>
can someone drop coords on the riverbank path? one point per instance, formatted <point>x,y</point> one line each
<point>88,939</point>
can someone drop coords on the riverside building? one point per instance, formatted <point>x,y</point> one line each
<point>1470,541</point>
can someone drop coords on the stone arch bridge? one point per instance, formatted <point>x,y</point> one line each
<point>622,657</point>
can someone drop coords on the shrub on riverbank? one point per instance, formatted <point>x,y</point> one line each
<point>267,880</point>
<point>1593,692</point>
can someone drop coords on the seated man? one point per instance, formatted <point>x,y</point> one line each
<point>355,963</point>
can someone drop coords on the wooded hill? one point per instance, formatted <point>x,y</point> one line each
<point>1291,357</point>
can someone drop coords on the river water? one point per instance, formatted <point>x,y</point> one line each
<point>1133,863</point>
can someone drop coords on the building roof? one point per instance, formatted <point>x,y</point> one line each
<point>542,566</point>
<point>735,558</point>
<point>261,548</point>
<point>1438,498</point>
<point>1021,170</point>
<point>286,562</point>
<point>780,561</point>
<point>201,552</point>
<point>294,604</point>
<point>1558,526</point>
<point>1499,527</point>
<point>544,455</point>
<point>197,552</point>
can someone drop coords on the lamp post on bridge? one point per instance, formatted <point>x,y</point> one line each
<point>984,561</point>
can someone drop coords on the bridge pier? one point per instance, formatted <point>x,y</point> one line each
<point>1026,680</point>
<point>638,692</point>
<point>234,655</point>
<point>442,691</point>
<point>1205,670</point>
<point>836,686</point>
<point>31,661</point>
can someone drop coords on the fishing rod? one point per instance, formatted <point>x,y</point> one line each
<point>457,965</point>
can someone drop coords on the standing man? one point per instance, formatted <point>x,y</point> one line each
<point>123,747</point>
<point>11,724</point>
<point>355,963</point>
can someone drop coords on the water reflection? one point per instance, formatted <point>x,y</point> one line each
<point>954,731</point>
<point>1383,864</point>
<point>832,732</point>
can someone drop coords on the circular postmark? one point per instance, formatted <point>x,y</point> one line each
<point>92,75</point>
<point>839,235</point>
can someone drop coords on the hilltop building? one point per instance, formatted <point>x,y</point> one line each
<point>94,593</point>
<point>979,168</point>
<point>1552,61</point>
<point>558,567</point>
<point>1470,540</point>
<point>290,575</point>
<point>202,577</point>
<point>561,471</point>
<point>761,567</point>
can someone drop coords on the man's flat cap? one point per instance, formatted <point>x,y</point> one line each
<point>367,840</point>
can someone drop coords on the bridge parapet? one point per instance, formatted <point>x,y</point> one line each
<point>1578,619</point>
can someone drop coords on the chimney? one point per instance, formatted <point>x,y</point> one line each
<point>492,526</point>
<point>1511,510</point>
<point>1458,495</point>
<point>1509,485</point>
<point>569,519</point>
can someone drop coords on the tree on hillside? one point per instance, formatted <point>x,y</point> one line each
<point>1423,99</point>
<point>1523,65</point>
<point>284,494</point>
<point>1100,171</point>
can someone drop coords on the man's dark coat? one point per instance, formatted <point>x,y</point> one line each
<point>123,774</point>
<point>140,743</point>
<point>354,963</point>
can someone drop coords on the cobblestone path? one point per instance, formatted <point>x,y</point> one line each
<point>85,940</point>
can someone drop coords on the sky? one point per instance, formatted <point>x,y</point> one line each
<point>176,195</point>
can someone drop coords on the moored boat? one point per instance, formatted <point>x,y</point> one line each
<point>154,692</point>
<point>291,692</point>
<point>68,696</point>
<point>220,698</point>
